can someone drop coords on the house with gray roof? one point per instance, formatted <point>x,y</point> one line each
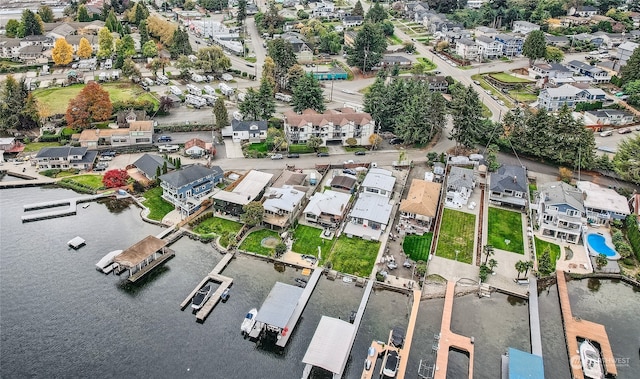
<point>64,158</point>
<point>148,165</point>
<point>558,211</point>
<point>467,48</point>
<point>511,44</point>
<point>557,41</point>
<point>246,189</point>
<point>524,27</point>
<point>602,205</point>
<point>188,187</point>
<point>625,50</point>
<point>460,185</point>
<point>394,60</point>
<point>582,11</point>
<point>437,83</point>
<point>369,216</point>
<point>327,208</point>
<point>379,181</point>
<point>252,131</point>
<point>488,48</point>
<point>281,206</point>
<point>608,117</point>
<point>344,183</point>
<point>582,68</point>
<point>553,99</point>
<point>550,71</point>
<point>508,186</point>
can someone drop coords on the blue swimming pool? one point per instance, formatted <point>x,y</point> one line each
<point>598,245</point>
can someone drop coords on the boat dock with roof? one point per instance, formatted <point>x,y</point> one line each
<point>142,257</point>
<point>213,276</point>
<point>281,310</point>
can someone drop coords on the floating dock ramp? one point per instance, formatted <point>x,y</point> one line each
<point>70,210</point>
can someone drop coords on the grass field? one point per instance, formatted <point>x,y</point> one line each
<point>93,181</point>
<point>217,226</point>
<point>253,242</point>
<point>354,255</point>
<point>457,232</point>
<point>57,99</point>
<point>554,250</point>
<point>261,147</point>
<point>417,247</point>
<point>37,146</point>
<point>307,239</point>
<point>504,226</point>
<point>523,96</point>
<point>394,40</point>
<point>427,64</point>
<point>158,207</point>
<point>506,78</point>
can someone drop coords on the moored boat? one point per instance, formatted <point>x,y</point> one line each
<point>201,296</point>
<point>249,321</point>
<point>225,294</point>
<point>591,362</point>
<point>105,264</point>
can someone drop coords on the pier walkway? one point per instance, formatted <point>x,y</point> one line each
<point>71,209</point>
<point>406,347</point>
<point>534,318</point>
<point>448,339</point>
<point>302,303</point>
<point>575,327</point>
<point>213,276</point>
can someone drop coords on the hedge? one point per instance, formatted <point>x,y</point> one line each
<point>633,234</point>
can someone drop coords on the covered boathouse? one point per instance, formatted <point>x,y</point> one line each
<point>330,347</point>
<point>142,257</point>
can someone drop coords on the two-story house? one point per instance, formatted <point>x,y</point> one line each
<point>582,11</point>
<point>419,209</point>
<point>330,126</point>
<point>281,206</point>
<point>412,8</point>
<point>378,181</point>
<point>608,117</point>
<point>467,49</point>
<point>553,99</point>
<point>559,211</point>
<point>437,83</point>
<point>10,145</point>
<point>599,75</point>
<point>246,189</point>
<point>323,9</point>
<point>460,185</point>
<point>139,133</point>
<point>549,71</point>
<point>508,186</point>
<point>602,205</point>
<point>625,50</point>
<point>302,51</point>
<point>252,131</point>
<point>327,208</point>
<point>369,216</point>
<point>489,48</point>
<point>65,158</point>
<point>188,187</point>
<point>511,44</point>
<point>352,21</point>
<point>524,27</point>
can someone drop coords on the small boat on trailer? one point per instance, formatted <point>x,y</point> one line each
<point>202,296</point>
<point>591,362</point>
<point>105,264</point>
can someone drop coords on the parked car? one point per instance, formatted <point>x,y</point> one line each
<point>105,158</point>
<point>276,156</point>
<point>606,133</point>
<point>165,139</point>
<point>397,336</point>
<point>293,155</point>
<point>322,154</point>
<point>108,154</point>
<point>361,152</point>
<point>349,171</point>
<point>500,102</point>
<point>396,141</point>
<point>476,82</point>
<point>624,130</point>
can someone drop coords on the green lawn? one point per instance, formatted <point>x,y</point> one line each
<point>253,242</point>
<point>429,65</point>
<point>505,225</point>
<point>354,255</point>
<point>90,180</point>
<point>417,247</point>
<point>217,226</point>
<point>457,232</point>
<point>523,96</point>
<point>506,78</point>
<point>57,99</point>
<point>554,250</point>
<point>307,239</point>
<point>395,40</point>
<point>299,148</point>
<point>158,207</point>
<point>36,146</point>
<point>261,147</point>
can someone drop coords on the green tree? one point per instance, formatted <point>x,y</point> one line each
<point>601,261</point>
<point>271,20</point>
<point>422,116</point>
<point>242,11</point>
<point>281,51</point>
<point>105,43</point>
<point>521,266</point>
<point>144,32</point>
<point>12,28</point>
<point>125,47</point>
<point>376,13</point>
<point>267,101</point>
<point>253,213</point>
<point>180,44</point>
<point>484,273</point>
<point>330,43</point>
<point>307,94</point>
<point>357,9</point>
<point>545,266</point>
<point>140,13</point>
<point>112,23</point>
<point>314,143</point>
<point>268,71</point>
<point>212,59</point>
<point>369,45</point>
<point>492,264</point>
<point>129,69</point>
<point>46,14</point>
<point>280,249</point>
<point>627,159</point>
<point>295,73</point>
<point>31,24</point>
<point>185,65</point>
<point>150,49</point>
<point>535,46</point>
<point>83,14</point>
<point>631,71</point>
<point>466,111</point>
<point>488,251</point>
<point>220,113</point>
<point>553,54</point>
<point>250,107</point>
<point>11,101</point>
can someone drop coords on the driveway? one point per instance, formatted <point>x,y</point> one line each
<point>233,149</point>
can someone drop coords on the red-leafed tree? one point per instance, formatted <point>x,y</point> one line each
<point>115,178</point>
<point>91,105</point>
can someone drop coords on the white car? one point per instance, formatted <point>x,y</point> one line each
<point>276,156</point>
<point>105,158</point>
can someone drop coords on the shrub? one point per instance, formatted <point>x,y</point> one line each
<point>633,234</point>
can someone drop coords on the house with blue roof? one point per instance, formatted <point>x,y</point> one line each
<point>187,188</point>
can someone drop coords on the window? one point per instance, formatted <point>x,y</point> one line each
<point>572,212</point>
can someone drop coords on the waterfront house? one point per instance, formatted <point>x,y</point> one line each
<point>524,27</point>
<point>553,99</point>
<point>248,131</point>
<point>246,189</point>
<point>508,186</point>
<point>602,205</point>
<point>330,126</point>
<point>419,209</point>
<point>281,205</point>
<point>581,68</point>
<point>379,181</point>
<point>327,208</point>
<point>188,187</point>
<point>10,145</point>
<point>64,158</point>
<point>460,185</point>
<point>608,117</point>
<point>148,165</point>
<point>488,48</point>
<point>143,256</point>
<point>343,183</point>
<point>511,44</point>
<point>558,211</point>
<point>369,216</point>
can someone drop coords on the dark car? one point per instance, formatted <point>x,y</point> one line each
<point>322,154</point>
<point>397,336</point>
<point>361,152</point>
<point>293,155</point>
<point>396,141</point>
<point>108,154</point>
<point>165,139</point>
<point>349,171</point>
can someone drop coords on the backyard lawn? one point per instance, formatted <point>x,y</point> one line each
<point>217,226</point>
<point>253,242</point>
<point>505,226</point>
<point>506,78</point>
<point>307,239</point>
<point>417,247</point>
<point>36,146</point>
<point>91,181</point>
<point>261,147</point>
<point>554,251</point>
<point>158,207</point>
<point>354,256</point>
<point>457,232</point>
<point>523,96</point>
<point>57,99</point>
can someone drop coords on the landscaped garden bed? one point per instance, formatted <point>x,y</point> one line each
<point>554,251</point>
<point>457,232</point>
<point>505,230</point>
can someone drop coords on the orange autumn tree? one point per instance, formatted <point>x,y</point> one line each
<point>91,105</point>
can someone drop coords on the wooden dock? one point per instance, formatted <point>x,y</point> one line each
<point>406,347</point>
<point>155,263</point>
<point>213,276</point>
<point>71,207</point>
<point>448,339</point>
<point>534,318</point>
<point>575,327</point>
<point>302,303</point>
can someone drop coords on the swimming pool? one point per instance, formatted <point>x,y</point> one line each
<point>598,245</point>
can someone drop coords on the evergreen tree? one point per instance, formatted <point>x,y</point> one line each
<point>535,46</point>
<point>250,107</point>
<point>220,113</point>
<point>144,33</point>
<point>242,11</point>
<point>627,159</point>
<point>631,71</point>
<point>267,101</point>
<point>140,13</point>
<point>368,47</point>
<point>281,51</point>
<point>18,109</point>
<point>357,9</point>
<point>268,71</point>
<point>180,44</point>
<point>112,23</point>
<point>294,74</point>
<point>46,14</point>
<point>466,111</point>
<point>307,94</point>
<point>376,13</point>
<point>83,14</point>
<point>31,24</point>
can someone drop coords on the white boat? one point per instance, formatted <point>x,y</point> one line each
<point>249,321</point>
<point>106,263</point>
<point>202,296</point>
<point>76,243</point>
<point>591,362</point>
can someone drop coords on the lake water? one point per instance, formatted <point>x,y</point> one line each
<point>59,317</point>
